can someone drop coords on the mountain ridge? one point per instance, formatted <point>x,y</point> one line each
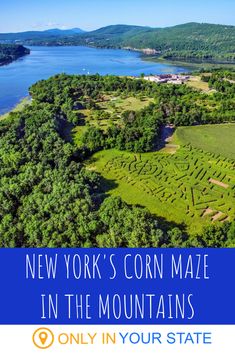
<point>26,35</point>
<point>188,41</point>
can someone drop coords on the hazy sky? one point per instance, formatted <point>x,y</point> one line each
<point>21,15</point>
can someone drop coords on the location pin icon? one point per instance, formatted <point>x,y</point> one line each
<point>43,337</point>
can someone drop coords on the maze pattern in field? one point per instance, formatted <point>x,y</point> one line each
<point>194,182</point>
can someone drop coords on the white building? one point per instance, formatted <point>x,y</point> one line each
<point>168,78</point>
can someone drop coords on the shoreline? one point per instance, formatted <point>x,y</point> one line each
<point>144,57</point>
<point>12,60</point>
<point>189,67</point>
<point>152,57</point>
<point>199,65</point>
<point>17,108</point>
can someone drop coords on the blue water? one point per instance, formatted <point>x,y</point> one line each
<point>43,62</point>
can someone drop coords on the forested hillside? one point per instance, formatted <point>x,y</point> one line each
<point>49,34</point>
<point>189,42</point>
<point>48,195</point>
<point>10,52</point>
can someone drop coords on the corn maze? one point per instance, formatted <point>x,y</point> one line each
<point>191,183</point>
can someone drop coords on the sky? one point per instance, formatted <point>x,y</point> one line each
<point>23,15</point>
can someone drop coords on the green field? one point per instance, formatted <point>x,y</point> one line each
<point>218,139</point>
<point>118,104</point>
<point>191,187</point>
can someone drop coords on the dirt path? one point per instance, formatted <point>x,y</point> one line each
<point>219,183</point>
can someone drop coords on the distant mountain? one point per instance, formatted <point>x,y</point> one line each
<point>186,36</point>
<point>117,30</point>
<point>186,42</point>
<point>63,32</point>
<point>39,35</point>
<point>110,36</point>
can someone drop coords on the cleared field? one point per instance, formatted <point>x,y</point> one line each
<point>109,112</point>
<point>196,82</point>
<point>114,104</point>
<point>218,139</point>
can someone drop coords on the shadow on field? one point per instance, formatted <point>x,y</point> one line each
<point>165,225</point>
<point>107,185</point>
<point>93,160</point>
<point>166,134</point>
<point>169,225</point>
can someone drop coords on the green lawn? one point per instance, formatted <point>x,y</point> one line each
<point>218,139</point>
<point>192,187</point>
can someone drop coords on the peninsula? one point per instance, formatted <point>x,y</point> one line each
<point>11,52</point>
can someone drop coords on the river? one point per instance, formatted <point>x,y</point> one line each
<point>43,62</point>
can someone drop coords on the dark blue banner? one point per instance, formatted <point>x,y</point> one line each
<point>117,286</point>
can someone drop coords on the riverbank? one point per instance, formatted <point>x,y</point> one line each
<point>19,107</point>
<point>44,62</point>
<point>12,52</point>
<point>187,64</point>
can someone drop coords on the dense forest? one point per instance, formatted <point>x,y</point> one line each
<point>187,42</point>
<point>191,41</point>
<point>10,52</point>
<point>48,198</point>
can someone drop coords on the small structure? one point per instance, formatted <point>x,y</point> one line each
<point>168,78</point>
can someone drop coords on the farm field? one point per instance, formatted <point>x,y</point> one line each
<point>218,139</point>
<point>191,187</point>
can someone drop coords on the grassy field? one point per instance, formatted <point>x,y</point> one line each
<point>196,82</point>
<point>112,107</point>
<point>109,112</point>
<point>193,187</point>
<point>219,139</point>
<point>118,104</point>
